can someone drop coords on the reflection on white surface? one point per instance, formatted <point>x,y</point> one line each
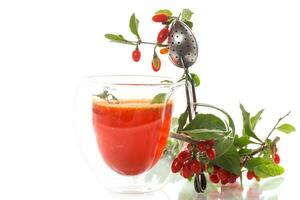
<point>252,191</point>
<point>178,189</point>
<point>160,195</point>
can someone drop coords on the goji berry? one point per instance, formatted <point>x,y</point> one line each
<point>156,63</point>
<point>162,35</point>
<point>160,18</point>
<point>136,55</point>
<point>184,156</point>
<point>176,165</point>
<point>164,51</point>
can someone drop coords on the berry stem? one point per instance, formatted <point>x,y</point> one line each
<point>264,146</point>
<point>183,138</point>
<point>279,120</point>
<point>151,43</point>
<point>260,149</point>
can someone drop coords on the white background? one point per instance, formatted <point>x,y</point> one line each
<point>249,53</point>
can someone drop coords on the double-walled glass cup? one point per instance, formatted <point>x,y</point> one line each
<point>123,124</point>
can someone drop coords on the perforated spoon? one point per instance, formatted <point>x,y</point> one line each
<point>183,52</point>
<point>182,44</point>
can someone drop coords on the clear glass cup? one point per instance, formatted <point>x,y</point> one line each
<point>123,132</point>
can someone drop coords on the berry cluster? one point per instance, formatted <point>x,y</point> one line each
<point>221,175</point>
<point>161,37</point>
<point>208,148</point>
<point>187,163</point>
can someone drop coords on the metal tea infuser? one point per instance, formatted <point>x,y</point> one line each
<point>183,53</point>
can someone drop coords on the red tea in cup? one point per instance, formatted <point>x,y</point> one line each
<point>132,134</point>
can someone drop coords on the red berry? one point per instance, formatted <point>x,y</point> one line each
<point>223,174</point>
<point>232,178</point>
<point>210,142</point>
<point>224,182</point>
<point>160,18</point>
<point>250,175</point>
<point>184,156</point>
<point>214,178</point>
<point>211,153</point>
<point>195,166</point>
<point>186,171</point>
<point>207,146</point>
<point>202,146</point>
<point>176,165</point>
<point>156,63</point>
<point>136,55</point>
<point>162,35</point>
<point>277,158</point>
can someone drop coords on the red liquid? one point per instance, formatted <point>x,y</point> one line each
<point>131,135</point>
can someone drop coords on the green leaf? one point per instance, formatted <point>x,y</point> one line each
<point>254,162</point>
<point>212,122</point>
<point>196,79</point>
<point>223,145</point>
<point>269,170</point>
<point>241,141</point>
<point>160,98</point>
<point>247,130</point>
<point>256,118</point>
<point>164,11</point>
<point>189,24</point>
<point>170,20</point>
<point>186,14</point>
<point>205,134</point>
<point>286,128</point>
<point>243,152</point>
<point>182,120</point>
<point>117,38</point>
<point>206,121</point>
<point>103,95</point>
<point>267,153</point>
<point>229,161</point>
<point>134,25</point>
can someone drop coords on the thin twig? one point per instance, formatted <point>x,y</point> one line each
<point>259,150</point>
<point>264,146</point>
<point>151,43</point>
<point>183,138</point>
<point>279,120</point>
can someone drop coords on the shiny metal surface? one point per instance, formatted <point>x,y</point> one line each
<point>182,43</point>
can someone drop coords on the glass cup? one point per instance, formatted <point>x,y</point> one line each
<point>123,124</point>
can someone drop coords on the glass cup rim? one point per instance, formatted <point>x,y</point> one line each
<point>100,79</point>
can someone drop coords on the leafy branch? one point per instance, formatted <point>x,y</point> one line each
<point>275,127</point>
<point>186,15</point>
